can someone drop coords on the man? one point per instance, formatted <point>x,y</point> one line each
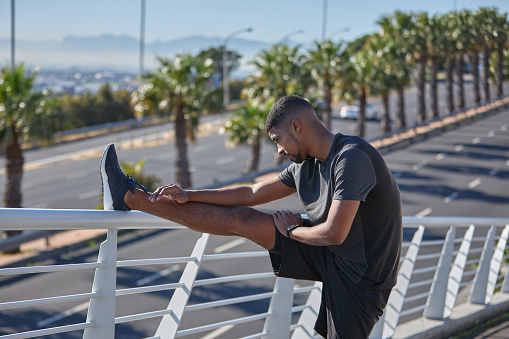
<point>352,240</point>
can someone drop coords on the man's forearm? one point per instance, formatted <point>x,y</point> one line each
<point>227,196</point>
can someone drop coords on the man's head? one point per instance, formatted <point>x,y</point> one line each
<point>284,125</point>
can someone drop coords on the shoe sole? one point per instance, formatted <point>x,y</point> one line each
<point>107,199</point>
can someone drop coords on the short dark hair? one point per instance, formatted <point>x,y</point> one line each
<point>286,107</point>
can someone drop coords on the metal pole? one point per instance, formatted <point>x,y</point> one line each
<point>324,21</point>
<point>13,62</point>
<point>142,38</point>
<point>287,36</point>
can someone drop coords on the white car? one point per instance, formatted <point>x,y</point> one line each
<point>352,112</point>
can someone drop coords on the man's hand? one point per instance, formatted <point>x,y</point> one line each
<point>283,219</point>
<point>172,192</point>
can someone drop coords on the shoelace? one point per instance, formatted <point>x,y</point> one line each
<point>132,183</point>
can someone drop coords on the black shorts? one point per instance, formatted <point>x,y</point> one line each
<point>347,310</point>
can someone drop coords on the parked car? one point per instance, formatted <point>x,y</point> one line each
<point>352,112</point>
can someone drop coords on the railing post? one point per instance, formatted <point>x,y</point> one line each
<point>277,325</point>
<point>496,263</point>
<point>479,290</point>
<point>456,273</point>
<point>101,311</point>
<point>169,324</point>
<point>307,319</point>
<point>436,299</point>
<point>397,298</point>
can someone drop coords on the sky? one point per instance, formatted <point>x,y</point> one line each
<point>271,20</point>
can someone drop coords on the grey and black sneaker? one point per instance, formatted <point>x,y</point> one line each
<point>115,183</point>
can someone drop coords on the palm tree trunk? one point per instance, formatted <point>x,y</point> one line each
<point>450,84</point>
<point>385,123</point>
<point>14,170</point>
<point>183,177</point>
<point>401,116</point>
<point>434,87</point>
<point>461,86</point>
<point>254,158</point>
<point>474,61</point>
<point>361,120</point>
<point>421,113</point>
<point>486,71</point>
<point>500,73</point>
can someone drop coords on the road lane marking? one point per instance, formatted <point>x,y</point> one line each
<point>424,212</point>
<point>474,183</point>
<point>65,314</point>
<point>458,148</point>
<point>451,197</point>
<point>157,275</point>
<point>503,128</point>
<point>225,161</point>
<point>494,172</point>
<point>76,175</point>
<point>218,332</point>
<point>165,157</point>
<point>440,156</point>
<point>419,165</point>
<point>91,194</point>
<point>229,245</point>
<point>200,148</point>
<point>491,134</point>
<point>476,140</point>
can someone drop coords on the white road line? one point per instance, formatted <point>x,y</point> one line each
<point>76,175</point>
<point>424,212</point>
<point>494,172</point>
<point>225,161</point>
<point>507,162</point>
<point>491,134</point>
<point>451,197</point>
<point>476,140</point>
<point>157,275</point>
<point>458,148</point>
<point>503,128</point>
<point>440,156</point>
<point>474,183</point>
<point>419,165</point>
<point>165,157</point>
<point>217,332</point>
<point>200,148</point>
<point>86,195</point>
<point>65,314</point>
<point>229,245</point>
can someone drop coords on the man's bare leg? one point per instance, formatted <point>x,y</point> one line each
<point>239,221</point>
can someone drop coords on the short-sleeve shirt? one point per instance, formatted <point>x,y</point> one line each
<point>354,170</point>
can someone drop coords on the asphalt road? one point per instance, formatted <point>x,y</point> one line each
<point>462,172</point>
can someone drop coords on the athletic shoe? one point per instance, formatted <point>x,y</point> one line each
<point>115,183</point>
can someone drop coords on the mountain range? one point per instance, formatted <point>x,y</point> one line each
<point>117,52</point>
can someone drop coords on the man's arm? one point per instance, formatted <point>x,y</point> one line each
<point>332,232</point>
<point>243,195</point>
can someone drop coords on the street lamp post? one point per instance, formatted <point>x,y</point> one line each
<point>13,62</point>
<point>142,39</point>
<point>287,36</point>
<point>226,81</point>
<point>339,31</point>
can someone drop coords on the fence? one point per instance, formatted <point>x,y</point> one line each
<point>446,263</point>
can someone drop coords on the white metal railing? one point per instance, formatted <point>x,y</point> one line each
<point>436,273</point>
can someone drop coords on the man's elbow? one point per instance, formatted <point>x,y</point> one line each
<point>336,238</point>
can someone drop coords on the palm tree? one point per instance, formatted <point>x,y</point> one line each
<point>246,127</point>
<point>419,42</point>
<point>436,46</point>
<point>326,58</point>
<point>178,86</point>
<point>487,26</point>
<point>501,41</point>
<point>22,118</point>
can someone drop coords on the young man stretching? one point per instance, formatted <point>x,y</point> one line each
<point>351,242</point>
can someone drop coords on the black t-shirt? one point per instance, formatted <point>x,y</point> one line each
<point>354,170</point>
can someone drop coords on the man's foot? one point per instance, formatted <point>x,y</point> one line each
<point>115,183</point>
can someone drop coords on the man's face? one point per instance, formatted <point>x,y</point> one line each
<point>287,144</point>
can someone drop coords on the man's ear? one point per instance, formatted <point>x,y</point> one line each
<point>296,126</point>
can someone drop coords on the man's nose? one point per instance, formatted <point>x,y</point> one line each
<point>280,150</point>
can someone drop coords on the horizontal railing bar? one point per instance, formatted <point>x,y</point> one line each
<point>255,336</point>
<point>448,221</point>
<point>147,289</point>
<point>230,301</point>
<point>237,255</point>
<point>417,297</point>
<point>305,289</point>
<point>412,310</point>
<point>462,295</point>
<point>158,261</point>
<point>45,301</point>
<point>425,270</point>
<point>50,268</point>
<point>468,273</point>
<point>432,242</point>
<point>420,283</point>
<point>428,256</point>
<point>48,331</point>
<point>224,323</point>
<point>472,261</point>
<point>73,219</point>
<point>141,316</point>
<point>300,308</point>
<point>205,282</point>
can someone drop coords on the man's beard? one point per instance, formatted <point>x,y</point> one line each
<point>297,158</point>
